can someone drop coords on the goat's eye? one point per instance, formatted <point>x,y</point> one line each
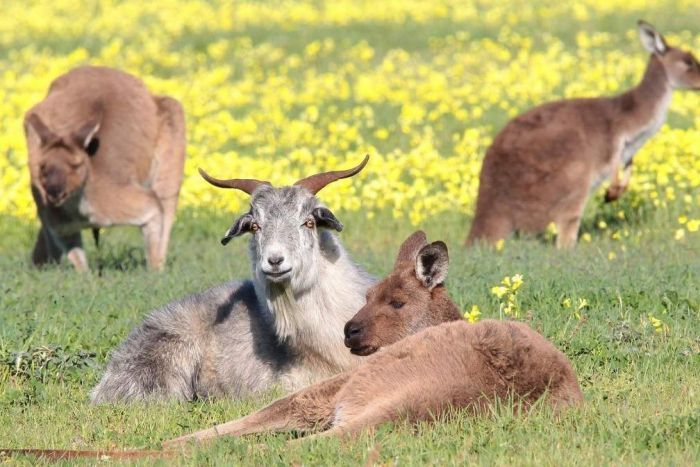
<point>310,223</point>
<point>396,304</point>
<point>254,227</point>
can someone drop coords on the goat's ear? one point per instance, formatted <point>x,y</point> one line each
<point>242,225</point>
<point>651,39</point>
<point>432,264</point>
<point>326,219</point>
<point>35,128</point>
<point>410,247</point>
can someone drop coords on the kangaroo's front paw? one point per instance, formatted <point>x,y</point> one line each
<point>613,193</point>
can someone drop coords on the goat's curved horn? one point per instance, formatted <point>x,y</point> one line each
<point>247,185</point>
<point>315,183</point>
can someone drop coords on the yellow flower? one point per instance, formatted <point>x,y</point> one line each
<point>566,303</point>
<point>517,282</point>
<point>499,291</point>
<point>473,315</point>
<point>658,325</point>
<point>261,110</point>
<point>381,133</point>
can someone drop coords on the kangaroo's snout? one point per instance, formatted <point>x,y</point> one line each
<point>54,184</point>
<point>355,339</point>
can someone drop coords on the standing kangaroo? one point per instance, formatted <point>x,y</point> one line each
<point>103,151</point>
<point>422,376</point>
<point>542,166</point>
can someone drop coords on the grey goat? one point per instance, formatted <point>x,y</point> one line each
<point>284,327</point>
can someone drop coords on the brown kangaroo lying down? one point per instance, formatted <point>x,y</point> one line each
<point>422,376</point>
<point>446,363</point>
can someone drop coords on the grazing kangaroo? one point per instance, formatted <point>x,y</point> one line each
<point>103,151</point>
<point>284,327</point>
<point>424,375</point>
<point>542,166</point>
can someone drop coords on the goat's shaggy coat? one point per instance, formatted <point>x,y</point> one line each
<point>283,327</point>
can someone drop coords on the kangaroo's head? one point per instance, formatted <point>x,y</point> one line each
<point>61,156</point>
<point>411,298</point>
<point>681,67</point>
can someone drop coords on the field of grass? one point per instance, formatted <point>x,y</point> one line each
<point>624,305</point>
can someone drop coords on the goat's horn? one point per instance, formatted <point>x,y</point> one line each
<point>315,183</point>
<point>247,185</point>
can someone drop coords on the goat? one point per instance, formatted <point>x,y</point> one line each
<point>283,327</point>
<point>425,375</point>
<point>103,151</point>
<point>544,163</point>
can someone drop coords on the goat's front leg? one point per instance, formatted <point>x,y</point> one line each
<point>308,409</point>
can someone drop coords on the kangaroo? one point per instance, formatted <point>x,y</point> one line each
<point>425,375</point>
<point>103,151</point>
<point>542,166</point>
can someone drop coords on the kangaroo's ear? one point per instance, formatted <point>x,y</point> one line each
<point>432,263</point>
<point>326,219</point>
<point>86,136</point>
<point>651,39</point>
<point>242,225</point>
<point>35,128</point>
<point>410,247</point>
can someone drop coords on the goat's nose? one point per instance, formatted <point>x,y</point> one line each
<point>275,260</point>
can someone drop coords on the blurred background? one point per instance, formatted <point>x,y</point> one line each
<point>276,90</point>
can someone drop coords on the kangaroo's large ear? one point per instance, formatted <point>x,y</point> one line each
<point>86,136</point>
<point>242,225</point>
<point>651,39</point>
<point>326,219</point>
<point>410,247</point>
<point>432,263</point>
<point>35,129</point>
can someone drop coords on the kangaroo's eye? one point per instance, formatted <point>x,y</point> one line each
<point>254,227</point>
<point>310,223</point>
<point>396,304</point>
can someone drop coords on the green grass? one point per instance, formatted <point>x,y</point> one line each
<point>642,388</point>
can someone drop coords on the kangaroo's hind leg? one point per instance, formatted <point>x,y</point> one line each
<point>311,408</point>
<point>170,157</point>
